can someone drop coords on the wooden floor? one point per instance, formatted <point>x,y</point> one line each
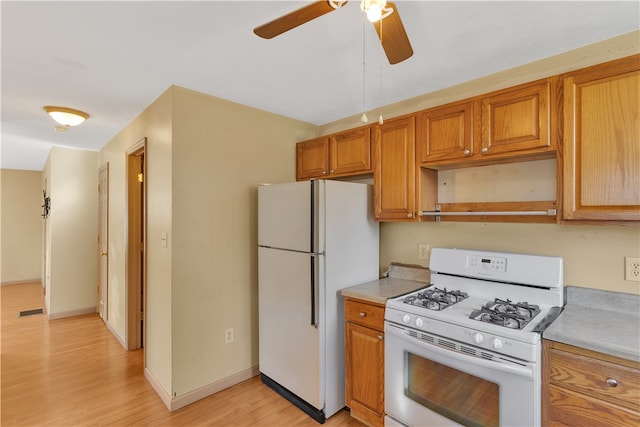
<point>73,372</point>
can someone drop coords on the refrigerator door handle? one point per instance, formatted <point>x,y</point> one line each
<point>314,290</point>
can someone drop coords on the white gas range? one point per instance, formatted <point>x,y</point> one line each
<point>466,350</point>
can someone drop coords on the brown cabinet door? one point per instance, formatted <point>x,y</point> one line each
<point>515,120</point>
<point>350,152</point>
<point>394,172</point>
<point>445,133</point>
<point>364,371</point>
<point>602,142</point>
<point>312,158</point>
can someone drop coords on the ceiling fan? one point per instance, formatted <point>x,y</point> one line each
<point>383,14</point>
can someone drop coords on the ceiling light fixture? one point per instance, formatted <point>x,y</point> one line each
<point>375,9</point>
<point>66,116</point>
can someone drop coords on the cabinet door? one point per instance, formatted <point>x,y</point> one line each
<point>516,120</point>
<point>312,158</point>
<point>350,152</point>
<point>394,174</point>
<point>445,133</point>
<point>364,371</point>
<point>602,142</point>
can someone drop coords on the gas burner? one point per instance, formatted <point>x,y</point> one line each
<point>435,298</point>
<point>506,313</point>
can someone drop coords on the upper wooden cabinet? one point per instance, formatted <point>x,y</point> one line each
<point>602,142</point>
<point>341,154</point>
<point>394,172</point>
<point>445,133</point>
<point>514,122</point>
<point>312,158</point>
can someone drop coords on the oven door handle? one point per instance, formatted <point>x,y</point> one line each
<point>506,366</point>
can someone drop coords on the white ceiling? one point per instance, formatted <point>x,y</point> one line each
<point>113,58</point>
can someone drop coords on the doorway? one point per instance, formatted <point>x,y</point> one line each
<point>103,241</point>
<point>136,244</point>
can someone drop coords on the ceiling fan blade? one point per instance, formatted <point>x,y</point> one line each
<point>393,37</point>
<point>294,19</point>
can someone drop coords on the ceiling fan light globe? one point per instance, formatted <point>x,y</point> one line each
<point>374,13</point>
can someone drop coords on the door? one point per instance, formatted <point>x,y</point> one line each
<point>394,177</point>
<point>136,259</point>
<point>290,345</point>
<point>103,240</point>
<point>429,384</point>
<point>285,216</point>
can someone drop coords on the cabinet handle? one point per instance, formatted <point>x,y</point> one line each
<point>103,253</point>
<point>363,314</point>
<point>484,149</point>
<point>333,170</point>
<point>380,337</point>
<point>467,152</point>
<point>324,172</point>
<point>612,382</point>
<point>409,215</point>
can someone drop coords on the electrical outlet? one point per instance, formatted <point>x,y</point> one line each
<point>423,251</point>
<point>228,335</point>
<point>632,269</point>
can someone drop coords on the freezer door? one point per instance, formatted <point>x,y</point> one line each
<point>285,216</point>
<point>290,347</point>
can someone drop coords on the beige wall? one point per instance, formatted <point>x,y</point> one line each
<point>221,152</point>
<point>593,255</point>
<point>205,157</point>
<point>154,124</point>
<point>21,226</point>
<point>72,251</point>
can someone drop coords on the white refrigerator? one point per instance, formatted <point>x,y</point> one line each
<point>314,239</point>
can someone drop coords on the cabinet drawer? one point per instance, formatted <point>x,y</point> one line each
<point>573,409</point>
<point>364,314</point>
<point>596,378</point>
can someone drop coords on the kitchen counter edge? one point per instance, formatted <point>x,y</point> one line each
<point>379,291</point>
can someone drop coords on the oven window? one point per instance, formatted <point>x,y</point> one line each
<point>463,398</point>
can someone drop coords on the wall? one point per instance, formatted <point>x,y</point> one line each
<point>72,254</point>
<point>593,255</point>
<point>154,124</point>
<point>221,152</point>
<point>205,157</point>
<point>21,226</point>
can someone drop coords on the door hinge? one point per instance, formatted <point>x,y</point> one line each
<point>140,316</point>
<point>140,177</point>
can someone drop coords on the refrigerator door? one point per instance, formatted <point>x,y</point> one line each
<point>290,348</point>
<point>285,216</point>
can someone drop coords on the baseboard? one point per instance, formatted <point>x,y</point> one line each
<point>208,390</point>
<point>20,282</point>
<point>121,340</point>
<point>176,403</point>
<point>166,399</point>
<point>72,313</point>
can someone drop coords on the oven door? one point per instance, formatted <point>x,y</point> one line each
<point>431,381</point>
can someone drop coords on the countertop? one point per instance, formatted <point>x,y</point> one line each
<point>598,320</point>
<point>402,279</point>
<point>379,291</point>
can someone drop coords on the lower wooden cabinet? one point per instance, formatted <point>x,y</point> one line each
<point>586,388</point>
<point>364,361</point>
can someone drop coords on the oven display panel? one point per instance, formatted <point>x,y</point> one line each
<point>461,397</point>
<point>484,263</point>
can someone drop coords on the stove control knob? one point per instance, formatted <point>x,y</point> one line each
<point>419,322</point>
<point>478,338</point>
<point>497,343</point>
<point>406,318</point>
